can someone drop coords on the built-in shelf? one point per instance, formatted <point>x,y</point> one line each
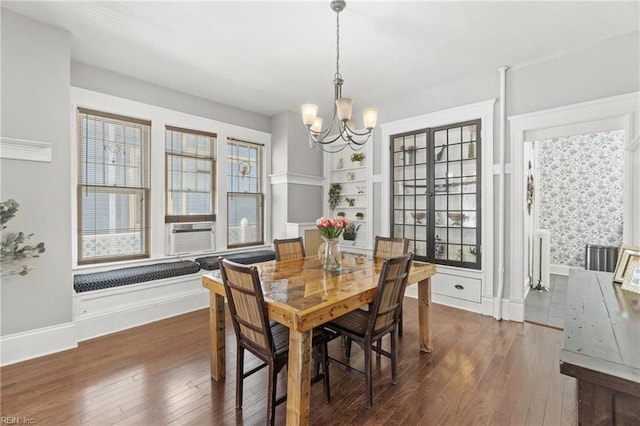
<point>356,182</point>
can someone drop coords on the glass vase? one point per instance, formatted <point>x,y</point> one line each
<point>332,255</point>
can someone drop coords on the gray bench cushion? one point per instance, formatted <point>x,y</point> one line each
<point>211,262</point>
<point>133,275</point>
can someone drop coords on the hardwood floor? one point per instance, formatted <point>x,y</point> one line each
<point>482,371</point>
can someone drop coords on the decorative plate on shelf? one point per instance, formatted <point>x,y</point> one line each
<point>418,217</point>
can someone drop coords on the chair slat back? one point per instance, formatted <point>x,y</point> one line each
<point>391,287</point>
<point>390,247</point>
<point>247,306</point>
<point>291,248</point>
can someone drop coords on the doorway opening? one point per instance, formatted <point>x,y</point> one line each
<point>577,200</point>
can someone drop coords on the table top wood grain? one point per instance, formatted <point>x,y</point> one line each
<point>602,332</point>
<point>301,295</point>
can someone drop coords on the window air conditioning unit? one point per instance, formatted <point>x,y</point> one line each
<point>191,237</point>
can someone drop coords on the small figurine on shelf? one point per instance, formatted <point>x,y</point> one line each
<point>339,165</point>
<point>350,201</point>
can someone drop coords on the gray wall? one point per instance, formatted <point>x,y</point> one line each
<point>100,80</point>
<point>292,156</point>
<point>35,106</point>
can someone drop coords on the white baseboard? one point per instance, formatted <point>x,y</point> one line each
<point>562,269</point>
<point>101,312</point>
<point>35,343</point>
<point>457,303</point>
<point>513,311</point>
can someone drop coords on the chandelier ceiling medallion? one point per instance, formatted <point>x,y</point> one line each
<point>344,128</point>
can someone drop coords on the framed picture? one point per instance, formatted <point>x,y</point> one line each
<point>623,258</point>
<point>631,279</point>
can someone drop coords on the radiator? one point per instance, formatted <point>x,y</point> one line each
<point>191,237</point>
<point>541,260</point>
<point>600,258</point>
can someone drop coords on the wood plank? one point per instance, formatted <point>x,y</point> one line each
<point>424,309</point>
<point>217,327</point>
<point>601,348</point>
<point>299,377</point>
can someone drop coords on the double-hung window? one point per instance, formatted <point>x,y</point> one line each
<point>190,175</point>
<point>245,216</point>
<point>113,187</point>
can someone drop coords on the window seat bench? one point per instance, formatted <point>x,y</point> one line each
<point>210,263</point>
<point>110,301</point>
<point>133,275</point>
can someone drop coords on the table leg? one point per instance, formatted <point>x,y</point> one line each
<point>299,377</point>
<point>216,325</point>
<point>424,315</point>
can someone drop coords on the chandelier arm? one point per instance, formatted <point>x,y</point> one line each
<point>352,141</point>
<point>366,132</point>
<point>324,141</point>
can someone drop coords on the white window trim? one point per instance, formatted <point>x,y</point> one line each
<point>160,118</point>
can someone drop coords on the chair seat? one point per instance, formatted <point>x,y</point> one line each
<point>281,337</point>
<point>354,322</point>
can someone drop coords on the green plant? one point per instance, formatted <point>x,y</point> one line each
<point>359,215</point>
<point>350,232</point>
<point>13,250</point>
<point>357,156</point>
<point>335,195</point>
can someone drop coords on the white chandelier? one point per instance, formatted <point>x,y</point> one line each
<point>343,129</point>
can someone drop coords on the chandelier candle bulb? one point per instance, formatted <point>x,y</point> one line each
<point>344,106</point>
<point>370,117</point>
<point>317,125</point>
<point>309,112</point>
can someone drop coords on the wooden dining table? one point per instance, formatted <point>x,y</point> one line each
<point>301,296</point>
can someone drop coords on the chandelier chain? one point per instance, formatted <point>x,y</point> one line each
<point>338,45</point>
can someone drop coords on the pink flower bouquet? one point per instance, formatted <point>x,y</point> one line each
<point>331,228</point>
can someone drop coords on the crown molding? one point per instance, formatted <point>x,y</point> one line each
<point>295,178</point>
<point>21,149</point>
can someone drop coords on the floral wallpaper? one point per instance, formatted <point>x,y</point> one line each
<point>580,193</point>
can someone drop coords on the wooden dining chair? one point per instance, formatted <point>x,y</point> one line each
<point>291,248</point>
<point>268,341</point>
<point>391,247</point>
<point>368,327</point>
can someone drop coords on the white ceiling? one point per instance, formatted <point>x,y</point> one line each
<point>272,56</point>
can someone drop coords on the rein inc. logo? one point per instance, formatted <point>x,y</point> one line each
<point>16,420</point>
